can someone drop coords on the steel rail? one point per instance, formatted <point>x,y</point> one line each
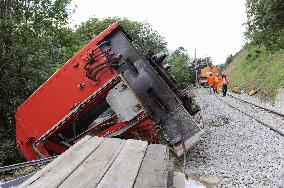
<point>251,116</point>
<point>28,163</point>
<point>262,107</point>
<point>16,181</point>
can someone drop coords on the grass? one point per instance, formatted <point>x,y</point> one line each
<point>256,68</point>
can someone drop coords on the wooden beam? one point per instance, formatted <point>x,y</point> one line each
<point>92,170</point>
<point>124,169</point>
<point>154,169</point>
<point>59,173</point>
<point>56,161</point>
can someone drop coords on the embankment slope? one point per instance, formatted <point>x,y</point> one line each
<point>257,68</point>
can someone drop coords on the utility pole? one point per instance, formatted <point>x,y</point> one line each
<point>196,69</point>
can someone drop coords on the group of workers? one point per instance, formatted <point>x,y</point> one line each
<point>216,82</point>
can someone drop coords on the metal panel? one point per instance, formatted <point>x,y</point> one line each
<point>124,102</point>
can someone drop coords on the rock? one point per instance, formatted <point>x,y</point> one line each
<point>211,180</point>
<point>237,152</point>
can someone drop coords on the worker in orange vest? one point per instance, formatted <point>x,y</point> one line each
<point>220,83</point>
<point>225,82</point>
<point>210,83</point>
<point>217,80</point>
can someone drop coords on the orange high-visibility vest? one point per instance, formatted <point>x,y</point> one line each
<point>210,80</point>
<point>216,83</point>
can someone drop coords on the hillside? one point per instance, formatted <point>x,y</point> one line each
<point>256,68</point>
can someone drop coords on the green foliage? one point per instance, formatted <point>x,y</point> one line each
<point>265,23</point>
<point>206,60</point>
<point>8,149</point>
<point>228,61</point>
<point>30,43</point>
<point>256,67</point>
<point>142,34</point>
<point>181,68</point>
<point>259,65</point>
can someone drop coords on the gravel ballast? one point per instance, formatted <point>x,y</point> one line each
<point>236,150</point>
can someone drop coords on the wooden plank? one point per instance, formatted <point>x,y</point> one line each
<point>171,173</point>
<point>59,173</point>
<point>92,170</point>
<point>56,161</point>
<point>154,169</point>
<point>124,169</point>
<point>179,180</point>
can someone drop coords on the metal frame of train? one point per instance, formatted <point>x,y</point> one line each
<point>107,89</point>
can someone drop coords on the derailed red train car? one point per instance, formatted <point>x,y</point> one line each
<point>106,89</point>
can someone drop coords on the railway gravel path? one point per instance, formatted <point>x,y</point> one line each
<point>265,115</point>
<point>237,150</point>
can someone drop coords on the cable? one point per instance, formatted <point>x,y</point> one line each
<point>107,66</point>
<point>99,65</point>
<point>92,58</point>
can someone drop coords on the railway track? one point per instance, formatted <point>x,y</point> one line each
<point>27,164</point>
<point>11,179</point>
<point>245,150</point>
<point>263,115</point>
<point>270,110</point>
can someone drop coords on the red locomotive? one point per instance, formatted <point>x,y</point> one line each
<point>106,89</point>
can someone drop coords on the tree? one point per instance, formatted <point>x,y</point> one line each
<point>228,61</point>
<point>182,69</point>
<point>206,60</point>
<point>265,23</point>
<point>142,34</point>
<point>30,46</point>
